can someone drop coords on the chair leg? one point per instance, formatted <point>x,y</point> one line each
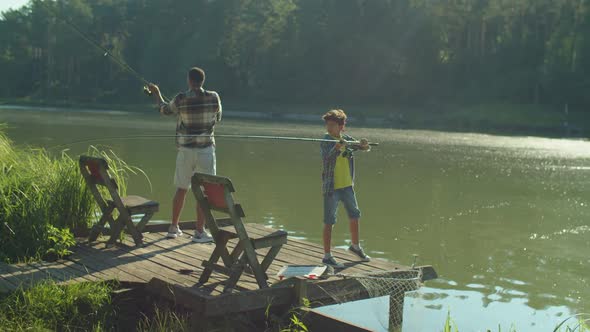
<point>134,231</point>
<point>237,270</point>
<point>235,254</point>
<point>219,247</point>
<point>119,224</point>
<point>144,220</point>
<point>252,260</point>
<point>97,229</point>
<point>270,256</point>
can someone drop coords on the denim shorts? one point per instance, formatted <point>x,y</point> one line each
<point>347,196</point>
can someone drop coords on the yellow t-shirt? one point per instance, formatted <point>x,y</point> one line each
<point>342,177</point>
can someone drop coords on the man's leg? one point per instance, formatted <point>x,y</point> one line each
<point>205,163</point>
<point>177,205</point>
<point>182,182</point>
<point>200,220</point>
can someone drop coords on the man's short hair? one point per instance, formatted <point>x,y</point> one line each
<point>335,115</point>
<point>196,75</point>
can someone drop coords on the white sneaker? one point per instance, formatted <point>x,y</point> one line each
<point>173,232</point>
<point>203,237</point>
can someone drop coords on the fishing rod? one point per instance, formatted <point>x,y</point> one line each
<point>107,52</point>
<point>352,144</point>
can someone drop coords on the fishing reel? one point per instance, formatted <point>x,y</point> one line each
<point>147,91</point>
<point>347,153</point>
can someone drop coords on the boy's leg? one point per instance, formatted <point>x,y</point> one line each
<point>354,230</point>
<point>327,238</point>
<point>354,214</point>
<point>330,206</point>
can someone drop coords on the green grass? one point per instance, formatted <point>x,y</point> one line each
<point>164,321</point>
<point>43,198</point>
<point>576,323</point>
<point>51,307</point>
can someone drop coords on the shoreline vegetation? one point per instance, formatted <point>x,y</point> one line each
<point>44,200</point>
<point>493,118</point>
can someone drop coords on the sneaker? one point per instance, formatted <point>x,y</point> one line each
<point>331,261</point>
<point>203,237</point>
<point>361,253</point>
<point>173,232</point>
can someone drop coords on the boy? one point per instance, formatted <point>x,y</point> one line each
<point>338,182</point>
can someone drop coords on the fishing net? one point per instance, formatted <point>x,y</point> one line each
<point>393,285</point>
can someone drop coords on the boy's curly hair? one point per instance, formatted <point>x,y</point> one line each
<point>336,115</point>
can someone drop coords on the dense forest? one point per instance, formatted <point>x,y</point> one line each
<point>392,52</point>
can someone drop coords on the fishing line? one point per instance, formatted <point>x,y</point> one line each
<point>107,52</point>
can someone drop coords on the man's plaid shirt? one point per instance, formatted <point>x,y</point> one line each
<point>329,155</point>
<point>198,111</point>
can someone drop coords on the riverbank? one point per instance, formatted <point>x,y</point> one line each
<point>489,118</point>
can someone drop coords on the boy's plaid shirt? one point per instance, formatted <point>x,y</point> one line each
<point>198,112</point>
<point>329,155</point>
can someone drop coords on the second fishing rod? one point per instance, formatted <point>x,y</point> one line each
<point>351,144</point>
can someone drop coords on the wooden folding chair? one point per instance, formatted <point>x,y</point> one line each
<point>214,193</point>
<point>95,173</point>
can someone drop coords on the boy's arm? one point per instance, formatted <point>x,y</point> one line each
<point>329,150</point>
<point>364,143</point>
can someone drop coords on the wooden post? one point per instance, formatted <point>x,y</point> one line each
<point>396,311</point>
<point>300,291</point>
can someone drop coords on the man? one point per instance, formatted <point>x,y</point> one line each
<point>198,111</point>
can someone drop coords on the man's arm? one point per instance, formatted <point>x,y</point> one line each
<point>219,108</point>
<point>164,107</point>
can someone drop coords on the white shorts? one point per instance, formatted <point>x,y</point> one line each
<point>192,160</point>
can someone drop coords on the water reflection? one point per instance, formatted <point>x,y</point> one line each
<point>504,220</point>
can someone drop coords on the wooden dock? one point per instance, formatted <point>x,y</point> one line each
<point>170,268</point>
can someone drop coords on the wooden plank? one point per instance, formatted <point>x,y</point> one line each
<point>172,266</point>
<point>99,262</point>
<point>6,286</point>
<point>340,254</point>
<point>78,265</point>
<point>61,272</point>
<point>38,271</point>
<point>138,265</point>
<point>5,274</point>
<point>317,321</point>
<point>156,228</point>
<point>309,256</point>
<point>186,297</point>
<point>318,293</point>
<point>191,252</point>
<point>26,276</point>
<point>249,301</point>
<point>191,263</point>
